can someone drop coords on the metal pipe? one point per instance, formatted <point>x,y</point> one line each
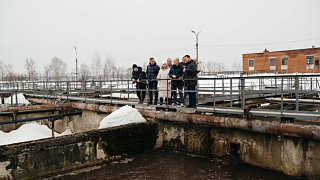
<point>40,118</point>
<point>259,126</point>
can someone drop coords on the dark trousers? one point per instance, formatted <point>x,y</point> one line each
<point>141,93</point>
<point>153,86</point>
<point>174,92</point>
<point>192,96</point>
<point>161,100</point>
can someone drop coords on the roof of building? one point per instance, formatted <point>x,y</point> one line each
<point>266,51</point>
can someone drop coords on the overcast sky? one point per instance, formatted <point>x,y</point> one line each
<point>131,31</point>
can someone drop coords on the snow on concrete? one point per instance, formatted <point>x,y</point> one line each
<point>28,132</point>
<point>124,115</point>
<point>21,99</point>
<point>121,95</point>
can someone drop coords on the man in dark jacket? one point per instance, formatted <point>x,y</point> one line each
<point>152,73</point>
<point>138,76</point>
<point>190,72</point>
<point>176,73</point>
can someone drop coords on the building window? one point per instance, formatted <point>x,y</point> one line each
<point>272,64</point>
<point>310,60</point>
<point>272,61</point>
<point>251,63</point>
<point>284,61</point>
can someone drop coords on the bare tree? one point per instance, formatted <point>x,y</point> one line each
<point>219,67</point>
<point>46,71</point>
<point>96,66</point>
<point>58,68</point>
<point>212,67</point>
<point>9,72</point>
<point>128,73</point>
<point>31,68</point>
<point>108,69</point>
<point>209,67</point>
<point>236,66</point>
<point>84,72</point>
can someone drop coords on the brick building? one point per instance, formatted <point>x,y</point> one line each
<point>290,61</point>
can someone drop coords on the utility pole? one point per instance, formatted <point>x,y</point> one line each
<point>76,63</point>
<point>197,46</point>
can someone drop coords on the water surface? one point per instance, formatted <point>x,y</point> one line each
<point>172,165</point>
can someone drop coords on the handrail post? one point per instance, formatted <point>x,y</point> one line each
<point>282,97</point>
<point>100,89</point>
<point>222,83</point>
<point>67,90</point>
<point>16,99</point>
<point>275,85</point>
<point>111,91</point>
<point>231,92</point>
<point>243,101</point>
<point>297,87</point>
<point>85,91</point>
<point>214,95</point>
<point>167,103</point>
<point>129,90</point>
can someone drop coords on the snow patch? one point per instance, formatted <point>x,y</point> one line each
<point>21,99</point>
<point>124,115</point>
<point>28,132</point>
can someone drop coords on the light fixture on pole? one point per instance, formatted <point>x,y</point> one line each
<point>76,63</point>
<point>197,50</point>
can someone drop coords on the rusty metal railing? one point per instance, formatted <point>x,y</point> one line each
<point>234,93</point>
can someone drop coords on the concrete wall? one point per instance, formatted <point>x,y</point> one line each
<point>53,155</point>
<point>89,120</point>
<point>293,156</point>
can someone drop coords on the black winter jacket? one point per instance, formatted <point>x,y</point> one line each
<point>191,73</point>
<point>141,75</point>
<point>152,71</point>
<point>178,71</point>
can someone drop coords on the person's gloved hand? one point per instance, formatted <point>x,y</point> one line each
<point>150,80</point>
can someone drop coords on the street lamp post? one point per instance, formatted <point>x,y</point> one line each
<point>76,63</point>
<point>197,50</point>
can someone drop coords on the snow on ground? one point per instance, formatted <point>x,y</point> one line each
<point>21,99</point>
<point>121,95</point>
<point>124,115</point>
<point>28,132</point>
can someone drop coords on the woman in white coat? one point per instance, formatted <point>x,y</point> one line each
<point>164,85</point>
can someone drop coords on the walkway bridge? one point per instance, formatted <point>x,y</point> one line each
<point>284,96</point>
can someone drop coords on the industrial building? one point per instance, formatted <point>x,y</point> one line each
<point>282,62</point>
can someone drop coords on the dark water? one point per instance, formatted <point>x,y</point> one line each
<point>172,165</point>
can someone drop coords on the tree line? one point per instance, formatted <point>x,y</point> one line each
<point>57,70</point>
<point>99,69</point>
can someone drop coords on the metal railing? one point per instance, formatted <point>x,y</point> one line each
<point>295,90</point>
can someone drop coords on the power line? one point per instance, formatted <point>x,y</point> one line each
<point>150,55</point>
<point>263,43</point>
<point>156,54</point>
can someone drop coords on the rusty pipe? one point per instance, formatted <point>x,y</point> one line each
<point>259,126</point>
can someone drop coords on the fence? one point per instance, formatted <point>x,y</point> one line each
<point>297,90</point>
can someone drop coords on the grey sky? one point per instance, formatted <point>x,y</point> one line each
<point>132,31</point>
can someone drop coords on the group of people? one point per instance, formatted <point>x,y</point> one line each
<point>171,77</point>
